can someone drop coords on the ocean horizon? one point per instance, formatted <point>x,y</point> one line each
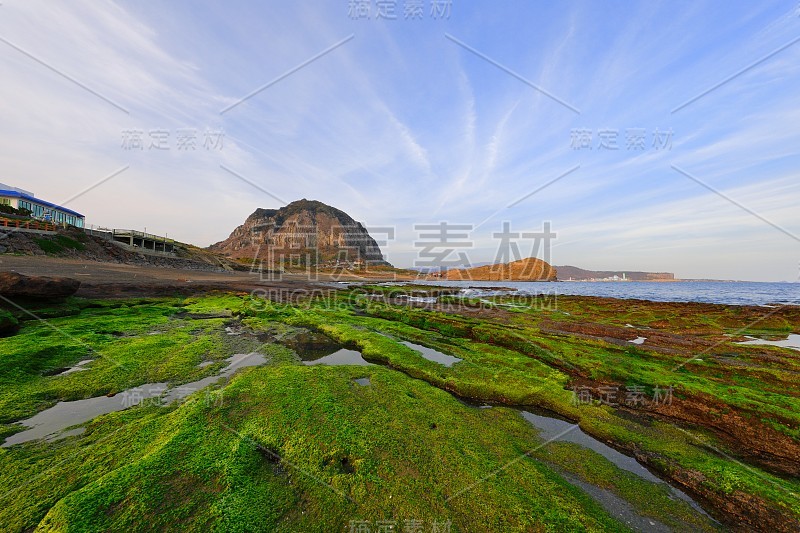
<point>717,292</point>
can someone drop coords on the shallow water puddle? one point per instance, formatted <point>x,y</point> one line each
<point>428,353</point>
<point>793,342</point>
<point>618,507</point>
<point>315,348</point>
<point>66,433</point>
<point>51,422</point>
<point>554,429</point>
<point>419,299</point>
<point>64,414</point>
<point>432,355</point>
<point>364,382</point>
<point>235,362</point>
<point>342,356</point>
<point>79,366</point>
<point>311,345</point>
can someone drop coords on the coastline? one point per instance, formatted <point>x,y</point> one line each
<point>639,377</point>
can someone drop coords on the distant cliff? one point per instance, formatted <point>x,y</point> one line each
<point>302,232</point>
<point>580,274</point>
<point>530,269</point>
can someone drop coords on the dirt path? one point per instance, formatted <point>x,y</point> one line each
<point>120,280</point>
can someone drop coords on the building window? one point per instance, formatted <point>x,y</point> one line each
<point>5,201</point>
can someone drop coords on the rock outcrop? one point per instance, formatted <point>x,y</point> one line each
<point>15,285</point>
<point>303,233</point>
<point>530,269</point>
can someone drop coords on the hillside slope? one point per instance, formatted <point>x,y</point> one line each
<point>74,243</point>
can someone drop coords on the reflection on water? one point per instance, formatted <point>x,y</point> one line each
<point>66,433</point>
<point>619,507</point>
<point>315,348</point>
<point>51,422</point>
<point>235,362</point>
<point>343,356</point>
<point>311,345</point>
<point>419,299</point>
<point>560,430</point>
<point>433,355</point>
<point>65,414</point>
<point>77,368</point>
<point>553,429</point>
<point>793,341</point>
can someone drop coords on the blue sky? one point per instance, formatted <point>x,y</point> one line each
<point>403,125</point>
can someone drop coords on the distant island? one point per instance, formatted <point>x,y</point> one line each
<point>529,269</point>
<point>572,273</point>
<point>533,269</point>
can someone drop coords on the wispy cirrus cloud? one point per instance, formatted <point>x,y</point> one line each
<point>400,125</point>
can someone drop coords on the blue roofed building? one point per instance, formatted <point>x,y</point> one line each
<point>41,209</point>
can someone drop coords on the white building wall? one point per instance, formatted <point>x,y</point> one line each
<point>13,202</point>
<point>57,216</point>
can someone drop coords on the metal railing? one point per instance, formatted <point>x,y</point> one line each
<point>26,224</point>
<point>140,235</point>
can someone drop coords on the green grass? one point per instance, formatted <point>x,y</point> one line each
<point>58,244</point>
<point>202,467</point>
<point>402,448</point>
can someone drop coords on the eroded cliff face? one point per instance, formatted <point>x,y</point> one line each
<point>305,231</point>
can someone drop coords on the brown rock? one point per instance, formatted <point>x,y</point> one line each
<point>308,230</point>
<point>14,285</point>
<point>530,269</point>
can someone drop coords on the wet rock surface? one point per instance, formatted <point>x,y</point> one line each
<point>15,285</point>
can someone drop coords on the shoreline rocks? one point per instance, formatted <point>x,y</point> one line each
<point>15,285</point>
